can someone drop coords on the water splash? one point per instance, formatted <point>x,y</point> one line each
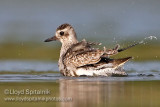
<point>137,43</point>
<point>151,37</point>
<point>147,38</point>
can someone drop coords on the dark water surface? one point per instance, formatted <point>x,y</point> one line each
<point>139,89</point>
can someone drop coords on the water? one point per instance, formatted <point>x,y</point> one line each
<point>144,41</point>
<point>26,65</point>
<point>48,71</point>
<point>139,89</point>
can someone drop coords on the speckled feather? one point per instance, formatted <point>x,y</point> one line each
<point>82,54</point>
<point>81,58</point>
<point>63,26</point>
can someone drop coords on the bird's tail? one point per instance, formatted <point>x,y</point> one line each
<point>120,62</point>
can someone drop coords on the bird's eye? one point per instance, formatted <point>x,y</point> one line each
<point>61,33</point>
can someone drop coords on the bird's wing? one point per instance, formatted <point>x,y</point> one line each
<point>82,54</point>
<point>78,59</point>
<point>83,45</point>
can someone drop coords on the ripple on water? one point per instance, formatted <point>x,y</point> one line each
<point>48,71</point>
<point>23,66</point>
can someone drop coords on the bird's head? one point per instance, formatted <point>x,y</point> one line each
<point>65,34</point>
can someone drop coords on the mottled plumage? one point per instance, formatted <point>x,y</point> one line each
<point>63,26</point>
<point>80,58</point>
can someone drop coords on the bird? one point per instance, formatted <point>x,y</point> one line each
<point>80,58</point>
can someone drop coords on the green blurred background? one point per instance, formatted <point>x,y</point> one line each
<point>25,24</point>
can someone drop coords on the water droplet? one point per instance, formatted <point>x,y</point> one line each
<point>141,42</point>
<point>151,37</point>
